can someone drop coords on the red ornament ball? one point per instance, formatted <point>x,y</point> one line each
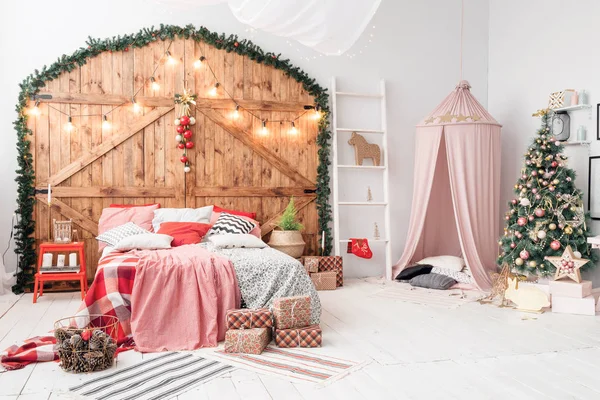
<point>180,129</point>
<point>181,146</point>
<point>554,164</point>
<point>189,145</point>
<point>187,134</point>
<point>514,201</point>
<point>236,44</point>
<point>126,48</point>
<point>539,212</point>
<point>183,159</point>
<point>184,120</point>
<point>522,221</point>
<point>555,245</point>
<point>524,254</point>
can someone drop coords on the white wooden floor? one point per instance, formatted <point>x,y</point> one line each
<point>415,352</point>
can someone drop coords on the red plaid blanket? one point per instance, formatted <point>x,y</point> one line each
<point>110,293</point>
<point>32,351</point>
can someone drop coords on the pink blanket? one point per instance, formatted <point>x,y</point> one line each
<point>181,298</point>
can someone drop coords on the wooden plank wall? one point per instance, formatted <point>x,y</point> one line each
<point>149,159</point>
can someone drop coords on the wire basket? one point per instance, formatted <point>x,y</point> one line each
<point>86,344</point>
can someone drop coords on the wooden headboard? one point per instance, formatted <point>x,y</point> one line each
<point>136,161</point>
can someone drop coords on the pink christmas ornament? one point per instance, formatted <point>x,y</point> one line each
<point>533,173</point>
<point>555,245</point>
<point>522,221</point>
<point>534,190</point>
<point>524,254</point>
<point>539,212</point>
<point>513,245</point>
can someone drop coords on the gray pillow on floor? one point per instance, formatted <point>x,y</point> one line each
<point>433,281</point>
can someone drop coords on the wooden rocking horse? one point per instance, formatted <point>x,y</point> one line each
<point>363,149</point>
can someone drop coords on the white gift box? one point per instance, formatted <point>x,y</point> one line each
<point>573,305</point>
<point>568,288</point>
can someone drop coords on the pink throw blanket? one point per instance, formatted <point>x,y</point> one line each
<point>181,296</point>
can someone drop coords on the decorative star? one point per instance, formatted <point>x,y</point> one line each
<point>430,120</point>
<point>475,118</point>
<point>446,117</point>
<point>567,265</point>
<point>461,118</point>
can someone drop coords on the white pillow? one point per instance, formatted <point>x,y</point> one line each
<point>459,277</point>
<point>161,215</point>
<point>445,262</point>
<point>113,236</point>
<point>236,240</point>
<point>145,241</point>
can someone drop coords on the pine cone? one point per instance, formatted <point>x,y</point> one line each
<point>61,334</point>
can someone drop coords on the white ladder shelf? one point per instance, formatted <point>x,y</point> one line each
<point>384,168</point>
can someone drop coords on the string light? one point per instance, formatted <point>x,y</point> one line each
<point>136,106</point>
<point>264,129</point>
<point>69,126</point>
<point>293,129</point>
<point>155,85</point>
<point>198,62</point>
<point>35,110</point>
<point>170,59</point>
<point>317,112</point>
<point>105,122</point>
<point>214,89</point>
<point>236,112</point>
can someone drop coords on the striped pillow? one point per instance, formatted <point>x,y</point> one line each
<point>115,235</point>
<point>228,223</point>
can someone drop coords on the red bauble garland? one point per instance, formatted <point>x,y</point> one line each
<point>183,138</point>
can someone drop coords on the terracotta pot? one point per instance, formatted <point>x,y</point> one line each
<point>288,242</point>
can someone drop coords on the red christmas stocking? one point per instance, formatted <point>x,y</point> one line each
<point>360,248</point>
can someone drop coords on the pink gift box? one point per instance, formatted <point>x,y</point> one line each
<point>567,288</point>
<point>573,305</point>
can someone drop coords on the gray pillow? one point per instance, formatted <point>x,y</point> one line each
<point>433,281</point>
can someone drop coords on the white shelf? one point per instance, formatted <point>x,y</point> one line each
<point>576,143</point>
<point>572,108</point>
<point>352,94</point>
<point>359,130</point>
<point>362,166</point>
<point>362,203</point>
<point>370,240</point>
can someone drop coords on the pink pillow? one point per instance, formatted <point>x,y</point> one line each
<point>113,217</point>
<point>255,232</point>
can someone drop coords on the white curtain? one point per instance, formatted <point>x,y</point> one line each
<point>6,279</point>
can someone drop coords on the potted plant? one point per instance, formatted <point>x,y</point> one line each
<point>289,238</point>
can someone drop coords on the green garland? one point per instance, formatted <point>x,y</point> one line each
<point>31,85</point>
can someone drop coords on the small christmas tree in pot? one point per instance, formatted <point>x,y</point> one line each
<point>546,215</point>
<point>288,239</point>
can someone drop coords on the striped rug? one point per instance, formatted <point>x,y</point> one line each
<point>295,365</point>
<point>162,377</point>
<point>451,298</point>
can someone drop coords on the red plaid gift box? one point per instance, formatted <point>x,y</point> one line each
<point>247,318</point>
<point>291,312</point>
<point>309,336</point>
<point>324,280</point>
<point>333,263</point>
<point>311,264</point>
<point>249,341</point>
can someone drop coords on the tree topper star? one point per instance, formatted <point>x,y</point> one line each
<point>567,265</point>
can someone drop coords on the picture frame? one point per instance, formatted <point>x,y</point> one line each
<point>594,187</point>
<point>598,121</point>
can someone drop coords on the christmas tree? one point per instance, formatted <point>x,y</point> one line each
<point>547,213</point>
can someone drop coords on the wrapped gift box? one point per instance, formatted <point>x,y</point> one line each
<point>249,341</point>
<point>311,264</point>
<point>573,305</point>
<point>247,318</point>
<point>291,312</point>
<point>568,288</point>
<point>310,336</point>
<point>333,263</point>
<point>324,280</point>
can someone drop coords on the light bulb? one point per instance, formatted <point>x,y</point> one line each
<point>317,112</point>
<point>35,110</point>
<point>236,112</point>
<point>198,62</point>
<point>213,90</point>
<point>105,122</point>
<point>69,126</point>
<point>293,129</point>
<point>170,59</point>
<point>155,85</point>
<point>136,106</point>
<point>264,129</point>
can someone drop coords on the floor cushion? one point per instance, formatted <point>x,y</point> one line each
<point>410,272</point>
<point>433,281</point>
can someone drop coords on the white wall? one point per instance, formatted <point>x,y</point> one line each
<point>415,48</point>
<point>538,47</point>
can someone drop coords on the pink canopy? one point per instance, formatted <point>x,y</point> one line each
<point>456,186</point>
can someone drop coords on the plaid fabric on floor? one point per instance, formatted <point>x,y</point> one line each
<point>36,349</point>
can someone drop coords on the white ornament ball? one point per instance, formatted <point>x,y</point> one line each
<point>552,226</point>
<point>177,122</point>
<point>525,202</point>
<point>541,234</point>
<point>577,254</point>
<point>178,138</point>
<point>192,121</point>
<point>186,169</point>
